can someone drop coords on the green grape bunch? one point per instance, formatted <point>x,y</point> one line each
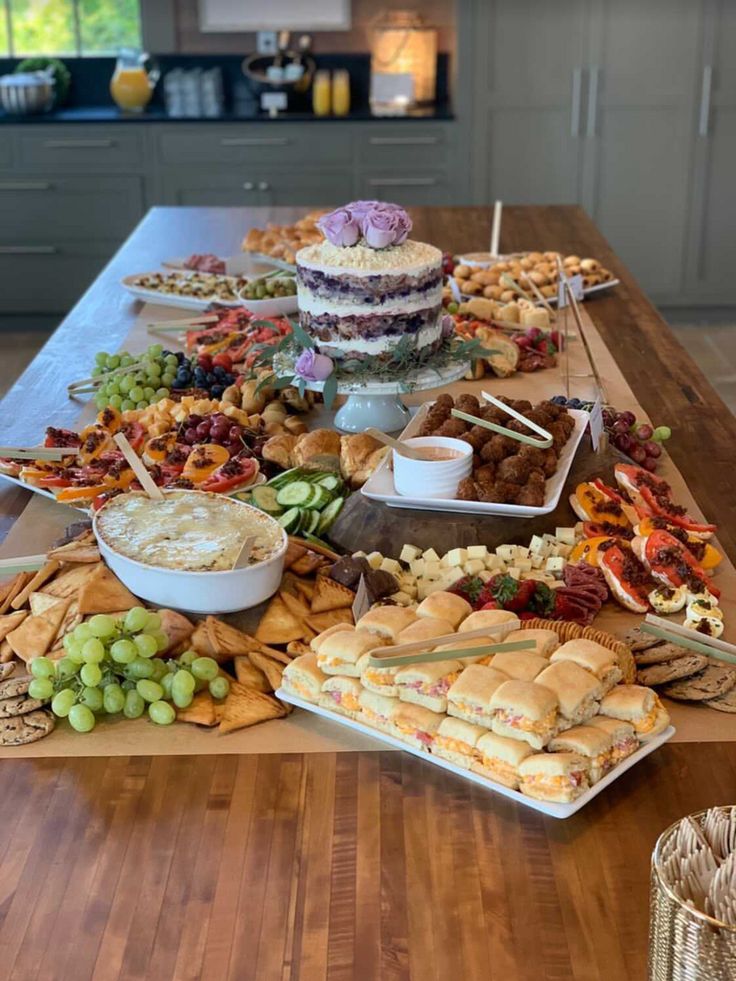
<point>110,666</point>
<point>149,379</point>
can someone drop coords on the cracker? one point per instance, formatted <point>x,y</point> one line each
<point>104,593</point>
<point>278,624</point>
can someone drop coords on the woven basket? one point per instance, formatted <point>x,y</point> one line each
<point>573,631</point>
<point>685,944</point>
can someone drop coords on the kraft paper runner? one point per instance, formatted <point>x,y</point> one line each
<point>42,521</point>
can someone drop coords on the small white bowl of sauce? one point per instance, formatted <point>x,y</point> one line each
<point>445,463</point>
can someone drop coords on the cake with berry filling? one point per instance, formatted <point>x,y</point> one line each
<point>368,293</point>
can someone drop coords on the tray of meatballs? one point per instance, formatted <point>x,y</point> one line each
<point>483,471</point>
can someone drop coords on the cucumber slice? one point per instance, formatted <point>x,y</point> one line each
<point>296,494</point>
<point>314,518</point>
<point>282,479</point>
<point>329,514</point>
<point>289,520</point>
<point>320,498</point>
<point>330,481</point>
<point>264,497</point>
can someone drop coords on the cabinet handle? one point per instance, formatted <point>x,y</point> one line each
<point>577,84</point>
<point>263,185</point>
<point>78,144</point>
<point>705,91</point>
<point>25,185</point>
<point>253,141</point>
<point>402,181</point>
<point>248,186</point>
<point>28,250</point>
<point>592,101</point>
<point>403,140</point>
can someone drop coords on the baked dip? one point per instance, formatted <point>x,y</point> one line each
<point>190,531</point>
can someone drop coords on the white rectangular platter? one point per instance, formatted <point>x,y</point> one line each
<point>545,807</point>
<point>552,300</point>
<point>172,299</point>
<point>380,486</point>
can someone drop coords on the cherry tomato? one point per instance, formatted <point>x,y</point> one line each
<point>223,361</point>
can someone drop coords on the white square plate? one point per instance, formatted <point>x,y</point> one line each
<point>380,486</point>
<point>546,807</point>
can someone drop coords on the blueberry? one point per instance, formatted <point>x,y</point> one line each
<point>211,379</point>
<point>217,390</point>
<point>558,400</point>
<point>575,404</point>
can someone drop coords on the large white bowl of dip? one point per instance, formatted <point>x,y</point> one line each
<point>179,552</point>
<point>446,462</point>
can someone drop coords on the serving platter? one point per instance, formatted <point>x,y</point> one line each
<point>550,808</point>
<point>380,486</point>
<point>173,299</point>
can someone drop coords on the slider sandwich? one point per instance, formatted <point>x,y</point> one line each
<point>545,641</point>
<point>594,744</point>
<point>623,737</point>
<point>377,710</point>
<point>424,628</point>
<point>387,621</point>
<point>341,694</point>
<point>521,665</point>
<point>491,618</point>
<point>560,777</point>
<point>500,758</point>
<point>378,679</point>
<point>445,606</point>
<point>416,726</point>
<point>470,697</point>
<point>525,710</point>
<point>639,706</point>
<point>456,741</point>
<point>428,684</point>
<point>577,691</point>
<point>339,654</point>
<point>595,658</point>
<point>468,645</point>
<point>302,677</point>
<point>317,641</point>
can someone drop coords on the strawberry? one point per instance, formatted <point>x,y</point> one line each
<point>470,588</point>
<point>509,593</point>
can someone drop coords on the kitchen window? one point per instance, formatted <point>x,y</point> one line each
<point>68,27</point>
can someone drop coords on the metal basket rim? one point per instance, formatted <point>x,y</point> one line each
<point>667,889</point>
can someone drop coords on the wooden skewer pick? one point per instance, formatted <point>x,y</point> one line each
<point>153,491</point>
<point>37,452</point>
<point>244,555</point>
<point>401,448</point>
<point>496,227</point>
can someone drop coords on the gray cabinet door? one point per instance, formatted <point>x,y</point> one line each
<point>639,129</point>
<point>256,187</point>
<point>528,59</point>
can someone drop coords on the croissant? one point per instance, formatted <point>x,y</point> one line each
<point>280,449</point>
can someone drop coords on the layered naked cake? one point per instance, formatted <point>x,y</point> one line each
<point>360,301</point>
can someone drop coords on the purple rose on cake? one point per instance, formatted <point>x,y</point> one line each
<point>313,367</point>
<point>381,224</point>
<point>340,227</point>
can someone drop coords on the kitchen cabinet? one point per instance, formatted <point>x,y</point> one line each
<point>257,187</point>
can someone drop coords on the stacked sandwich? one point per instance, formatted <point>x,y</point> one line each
<point>549,721</point>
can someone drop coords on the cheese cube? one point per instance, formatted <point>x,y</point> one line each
<point>474,566</point>
<point>537,561</point>
<point>506,552</point>
<point>486,575</point>
<point>430,555</point>
<point>524,564</point>
<point>391,565</point>
<point>374,560</point>
<point>564,550</point>
<point>426,586</point>
<point>402,598</point>
<point>514,572</point>
<point>445,561</point>
<point>359,555</point>
<point>522,552</point>
<point>409,552</point>
<point>555,564</point>
<point>549,539</point>
<point>495,563</point>
<point>417,567</point>
<point>536,544</point>
<point>565,535</point>
<point>457,556</point>
<point>578,529</point>
<point>477,552</point>
<point>409,588</point>
<point>451,575</point>
<point>432,568</point>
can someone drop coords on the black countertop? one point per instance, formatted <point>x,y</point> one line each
<point>156,114</point>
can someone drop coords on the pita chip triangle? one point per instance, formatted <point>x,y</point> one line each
<point>331,595</point>
<point>247,707</point>
<point>104,593</point>
<point>10,621</point>
<point>36,634</point>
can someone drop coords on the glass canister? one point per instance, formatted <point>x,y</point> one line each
<point>340,92</point>
<point>322,93</point>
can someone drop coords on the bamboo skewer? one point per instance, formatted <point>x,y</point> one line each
<point>244,554</point>
<point>496,227</point>
<point>399,660</point>
<point>136,464</point>
<point>89,384</point>
<point>22,563</point>
<point>171,325</point>
<point>51,453</point>
<point>544,443</point>
<point>578,320</point>
<point>508,280</point>
<point>541,297</point>
<point>675,633</point>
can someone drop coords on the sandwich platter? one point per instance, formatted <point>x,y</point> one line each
<point>380,486</point>
<point>550,808</point>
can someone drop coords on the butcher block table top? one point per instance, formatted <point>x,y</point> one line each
<point>350,865</point>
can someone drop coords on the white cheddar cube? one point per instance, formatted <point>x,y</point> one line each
<point>522,552</point>
<point>417,567</point>
<point>402,598</point>
<point>457,556</point>
<point>564,550</point>
<point>537,561</point>
<point>514,572</point>
<point>410,588</point>
<point>549,539</point>
<point>450,576</point>
<point>430,556</point>
<point>565,535</point>
<point>391,565</point>
<point>474,566</point>
<point>524,564</point>
<point>445,561</point>
<point>359,555</point>
<point>505,552</point>
<point>432,568</point>
<point>477,552</point>
<point>374,560</point>
<point>409,552</point>
<point>555,564</point>
<point>536,544</point>
<point>426,586</point>
<point>486,575</point>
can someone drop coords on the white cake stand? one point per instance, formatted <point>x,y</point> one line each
<point>379,404</point>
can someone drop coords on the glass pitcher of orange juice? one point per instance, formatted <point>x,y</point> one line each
<point>133,80</point>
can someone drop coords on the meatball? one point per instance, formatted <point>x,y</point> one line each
<point>560,435</point>
<point>492,414</point>
<point>536,477</point>
<point>550,462</point>
<point>533,454</point>
<point>514,469</point>
<point>485,474</point>
<point>507,491</point>
<point>491,494</point>
<point>453,428</point>
<point>521,405</point>
<point>498,448</point>
<point>531,495</point>
<point>567,422</point>
<point>541,418</point>
<point>467,490</point>
<point>469,404</point>
<point>482,434</point>
<point>551,408</point>
<point>444,400</point>
<point>427,428</point>
<point>474,439</point>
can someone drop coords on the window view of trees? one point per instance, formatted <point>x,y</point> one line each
<point>68,27</point>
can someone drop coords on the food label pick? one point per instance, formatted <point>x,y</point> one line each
<point>576,285</point>
<point>596,424</point>
<point>361,603</point>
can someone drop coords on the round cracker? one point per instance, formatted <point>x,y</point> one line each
<point>706,684</point>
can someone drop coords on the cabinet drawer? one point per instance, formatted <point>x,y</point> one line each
<point>43,278</point>
<point>86,148</point>
<point>423,187</point>
<point>7,142</point>
<point>280,144</point>
<point>33,209</point>
<point>404,146</point>
<point>253,188</point>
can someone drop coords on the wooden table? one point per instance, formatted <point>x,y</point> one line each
<point>346,866</point>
